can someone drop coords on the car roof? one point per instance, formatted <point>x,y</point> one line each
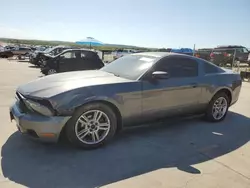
<point>153,54</point>
<point>61,46</point>
<point>160,54</point>
<point>75,49</point>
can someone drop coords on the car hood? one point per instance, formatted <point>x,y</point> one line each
<point>52,85</point>
<point>48,55</point>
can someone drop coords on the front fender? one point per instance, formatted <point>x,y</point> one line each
<point>97,99</point>
<point>66,103</point>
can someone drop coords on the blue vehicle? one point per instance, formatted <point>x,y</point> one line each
<point>187,51</point>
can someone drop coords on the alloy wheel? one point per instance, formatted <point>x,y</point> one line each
<point>51,71</point>
<point>92,127</point>
<point>219,108</point>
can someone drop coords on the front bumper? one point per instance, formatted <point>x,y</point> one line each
<point>40,127</point>
<point>44,70</point>
<point>33,60</point>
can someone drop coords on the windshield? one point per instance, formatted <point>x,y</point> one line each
<point>41,48</point>
<point>48,50</point>
<point>130,66</point>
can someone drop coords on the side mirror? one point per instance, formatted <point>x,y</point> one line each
<point>160,75</point>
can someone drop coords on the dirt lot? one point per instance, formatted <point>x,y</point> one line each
<point>190,153</point>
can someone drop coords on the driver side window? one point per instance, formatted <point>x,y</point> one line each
<point>245,50</point>
<point>178,67</point>
<point>67,55</point>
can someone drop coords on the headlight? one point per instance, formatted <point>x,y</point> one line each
<point>38,107</point>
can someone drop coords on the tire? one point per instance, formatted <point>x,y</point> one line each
<point>10,55</point>
<point>4,56</point>
<point>210,109</point>
<point>51,71</point>
<point>74,124</point>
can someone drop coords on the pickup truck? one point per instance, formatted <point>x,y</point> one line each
<point>203,53</point>
<point>223,55</point>
<point>18,51</point>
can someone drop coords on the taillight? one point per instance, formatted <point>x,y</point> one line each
<point>212,55</point>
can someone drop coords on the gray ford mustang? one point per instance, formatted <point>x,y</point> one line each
<point>91,106</point>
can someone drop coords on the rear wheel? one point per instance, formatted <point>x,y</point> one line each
<point>218,107</point>
<point>91,126</point>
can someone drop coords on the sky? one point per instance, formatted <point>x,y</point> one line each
<point>147,23</point>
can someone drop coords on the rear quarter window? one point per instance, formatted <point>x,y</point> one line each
<point>210,68</point>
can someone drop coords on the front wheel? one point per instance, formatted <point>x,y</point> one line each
<point>91,126</point>
<point>218,107</point>
<point>51,71</point>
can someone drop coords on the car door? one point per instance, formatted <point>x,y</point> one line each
<point>21,51</point>
<point>15,51</point>
<point>178,94</point>
<point>93,61</point>
<point>88,61</point>
<point>83,61</point>
<point>66,61</point>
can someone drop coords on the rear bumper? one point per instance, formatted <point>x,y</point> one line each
<point>40,127</point>
<point>236,92</point>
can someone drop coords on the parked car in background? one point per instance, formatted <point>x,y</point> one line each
<point>223,55</point>
<point>121,52</point>
<point>187,51</point>
<point>164,49</point>
<point>6,53</point>
<point>204,53</point>
<point>72,60</point>
<point>9,47</point>
<point>37,57</point>
<point>90,107</point>
<point>17,51</point>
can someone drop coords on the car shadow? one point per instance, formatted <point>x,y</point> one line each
<point>33,66</point>
<point>133,152</point>
<point>23,61</point>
